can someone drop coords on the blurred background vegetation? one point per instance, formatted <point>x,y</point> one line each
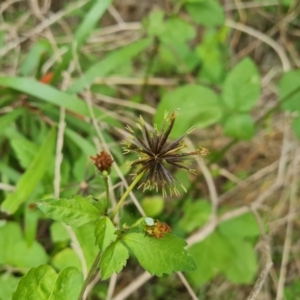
<point>88,68</point>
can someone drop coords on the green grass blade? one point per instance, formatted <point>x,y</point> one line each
<point>109,63</point>
<point>82,32</point>
<point>52,95</point>
<point>90,21</point>
<point>32,176</point>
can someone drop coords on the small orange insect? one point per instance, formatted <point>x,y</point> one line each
<point>155,228</point>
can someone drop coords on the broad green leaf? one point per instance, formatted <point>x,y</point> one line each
<point>206,12</point>
<point>25,256</point>
<point>153,206</point>
<point>240,227</point>
<point>177,31</point>
<point>155,24</point>
<point>159,256</point>
<point>68,285</point>
<point>196,214</point>
<point>198,106</point>
<point>113,259</point>
<point>10,233</point>
<point>37,284</point>
<point>240,127</point>
<point>14,250</point>
<point>59,232</point>
<point>105,233</point>
<point>32,60</point>
<point>52,95</point>
<point>213,54</point>
<point>175,57</point>
<point>7,119</point>
<point>86,239</point>
<point>74,212</point>
<point>66,258</point>
<point>289,91</point>
<point>32,176</point>
<point>109,63</point>
<point>8,284</point>
<point>25,151</point>
<point>212,256</point>
<point>243,265</point>
<point>241,88</point>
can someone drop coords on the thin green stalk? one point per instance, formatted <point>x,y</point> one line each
<point>133,184</point>
<point>97,259</point>
<point>105,179</point>
<point>90,275</point>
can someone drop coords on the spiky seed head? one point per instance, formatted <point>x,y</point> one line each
<point>155,152</point>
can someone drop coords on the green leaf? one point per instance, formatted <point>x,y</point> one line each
<point>213,53</point>
<point>177,31</point>
<point>109,63</point>
<point>7,119</point>
<point>66,258</point>
<point>212,256</point>
<point>52,95</point>
<point>87,147</point>
<point>74,212</point>
<point>31,219</point>
<point>199,106</point>
<point>32,176</point>
<point>8,284</point>
<point>90,20</point>
<point>105,233</point>
<point>153,206</point>
<point>290,84</point>
<point>155,23</point>
<point>86,239</point>
<point>25,151</point>
<point>37,284</point>
<point>83,31</point>
<point>240,127</point>
<point>240,227</point>
<point>32,60</point>
<point>242,86</point>
<point>159,256</point>
<point>243,265</point>
<point>14,250</point>
<point>68,285</point>
<point>207,12</point>
<point>196,214</point>
<point>113,259</point>
<point>287,2</point>
<point>59,232</point>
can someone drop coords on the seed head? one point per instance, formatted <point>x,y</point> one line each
<point>102,161</point>
<point>155,152</point>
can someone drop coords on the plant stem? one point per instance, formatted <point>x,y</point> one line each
<point>105,179</point>
<point>133,184</point>
<point>97,259</point>
<point>90,275</point>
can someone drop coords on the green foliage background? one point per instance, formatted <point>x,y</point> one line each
<point>108,66</point>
